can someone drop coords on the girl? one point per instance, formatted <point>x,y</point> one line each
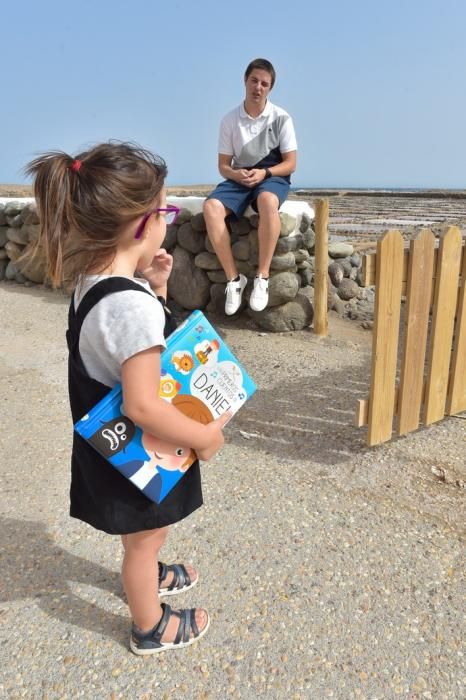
<point>103,218</point>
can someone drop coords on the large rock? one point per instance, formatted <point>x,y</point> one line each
<point>336,273</point>
<point>339,249</point>
<point>283,262</point>
<point>3,236</point>
<point>188,285</point>
<point>2,214</point>
<point>346,266</point>
<point>190,239</point>
<point>184,216</point>
<point>283,287</point>
<point>207,261</point>
<point>14,250</point>
<point>302,255</point>
<point>284,245</point>
<point>348,289</point>
<point>309,239</point>
<point>292,316</point>
<point>198,223</point>
<point>11,271</point>
<point>240,227</point>
<point>17,235</point>
<point>288,224</point>
<point>240,249</point>
<point>217,276</point>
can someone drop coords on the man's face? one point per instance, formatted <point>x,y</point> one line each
<point>258,86</point>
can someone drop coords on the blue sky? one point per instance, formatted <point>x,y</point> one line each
<point>376,89</point>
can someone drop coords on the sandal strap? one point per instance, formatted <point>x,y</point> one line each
<point>163,571</point>
<point>194,626</point>
<point>187,623</point>
<point>181,578</point>
<point>167,612</point>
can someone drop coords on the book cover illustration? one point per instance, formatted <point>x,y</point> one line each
<point>201,377</point>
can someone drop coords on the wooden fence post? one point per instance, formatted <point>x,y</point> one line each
<point>321,268</point>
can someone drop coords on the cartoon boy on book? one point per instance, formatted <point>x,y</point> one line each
<point>153,476</point>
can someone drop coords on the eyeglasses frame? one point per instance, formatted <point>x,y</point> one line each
<point>171,208</point>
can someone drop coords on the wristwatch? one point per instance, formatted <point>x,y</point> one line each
<point>267,174</point>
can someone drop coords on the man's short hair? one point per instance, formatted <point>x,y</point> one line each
<point>261,64</point>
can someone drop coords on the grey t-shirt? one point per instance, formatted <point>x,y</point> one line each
<point>119,326</point>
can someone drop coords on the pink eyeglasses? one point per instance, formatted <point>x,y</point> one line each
<point>170,213</point>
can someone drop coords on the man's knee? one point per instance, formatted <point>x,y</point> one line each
<point>267,202</point>
<point>213,210</point>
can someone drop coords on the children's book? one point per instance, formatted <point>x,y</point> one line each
<point>201,377</point>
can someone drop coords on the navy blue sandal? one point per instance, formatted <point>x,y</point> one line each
<point>181,579</point>
<point>144,643</point>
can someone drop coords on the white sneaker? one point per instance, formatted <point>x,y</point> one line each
<point>234,292</point>
<point>260,294</point>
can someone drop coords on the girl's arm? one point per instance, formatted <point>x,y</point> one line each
<point>140,378</point>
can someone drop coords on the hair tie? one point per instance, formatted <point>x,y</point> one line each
<point>76,166</point>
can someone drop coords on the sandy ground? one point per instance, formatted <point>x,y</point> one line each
<point>330,569</point>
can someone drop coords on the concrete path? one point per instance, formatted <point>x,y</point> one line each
<point>330,570</point>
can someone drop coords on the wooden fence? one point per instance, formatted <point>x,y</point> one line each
<point>418,370</point>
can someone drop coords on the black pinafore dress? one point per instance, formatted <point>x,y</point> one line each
<point>99,494</point>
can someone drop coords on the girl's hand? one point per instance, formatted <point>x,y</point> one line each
<point>214,436</point>
<point>159,270</point>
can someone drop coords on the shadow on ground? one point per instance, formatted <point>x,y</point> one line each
<point>35,567</point>
<point>310,417</point>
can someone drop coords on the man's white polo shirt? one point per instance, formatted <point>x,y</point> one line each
<point>256,141</point>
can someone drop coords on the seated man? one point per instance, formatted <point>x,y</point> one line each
<point>257,154</point>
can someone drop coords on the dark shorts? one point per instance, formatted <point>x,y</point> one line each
<point>237,197</point>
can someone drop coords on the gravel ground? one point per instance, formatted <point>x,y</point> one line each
<point>331,570</point>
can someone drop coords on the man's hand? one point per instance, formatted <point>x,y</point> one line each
<point>242,177</point>
<point>254,177</point>
<point>159,270</point>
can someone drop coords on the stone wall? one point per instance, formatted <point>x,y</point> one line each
<point>197,280</point>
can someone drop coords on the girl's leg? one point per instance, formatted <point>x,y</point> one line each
<point>169,578</point>
<point>140,578</point>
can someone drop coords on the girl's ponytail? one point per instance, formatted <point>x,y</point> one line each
<point>54,182</point>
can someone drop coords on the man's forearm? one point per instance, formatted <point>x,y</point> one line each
<point>229,173</point>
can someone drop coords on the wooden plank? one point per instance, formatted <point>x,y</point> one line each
<point>443,318</point>
<point>385,337</point>
<point>321,207</point>
<point>416,323</point>
<point>369,264</point>
<point>362,411</point>
<point>456,397</point>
